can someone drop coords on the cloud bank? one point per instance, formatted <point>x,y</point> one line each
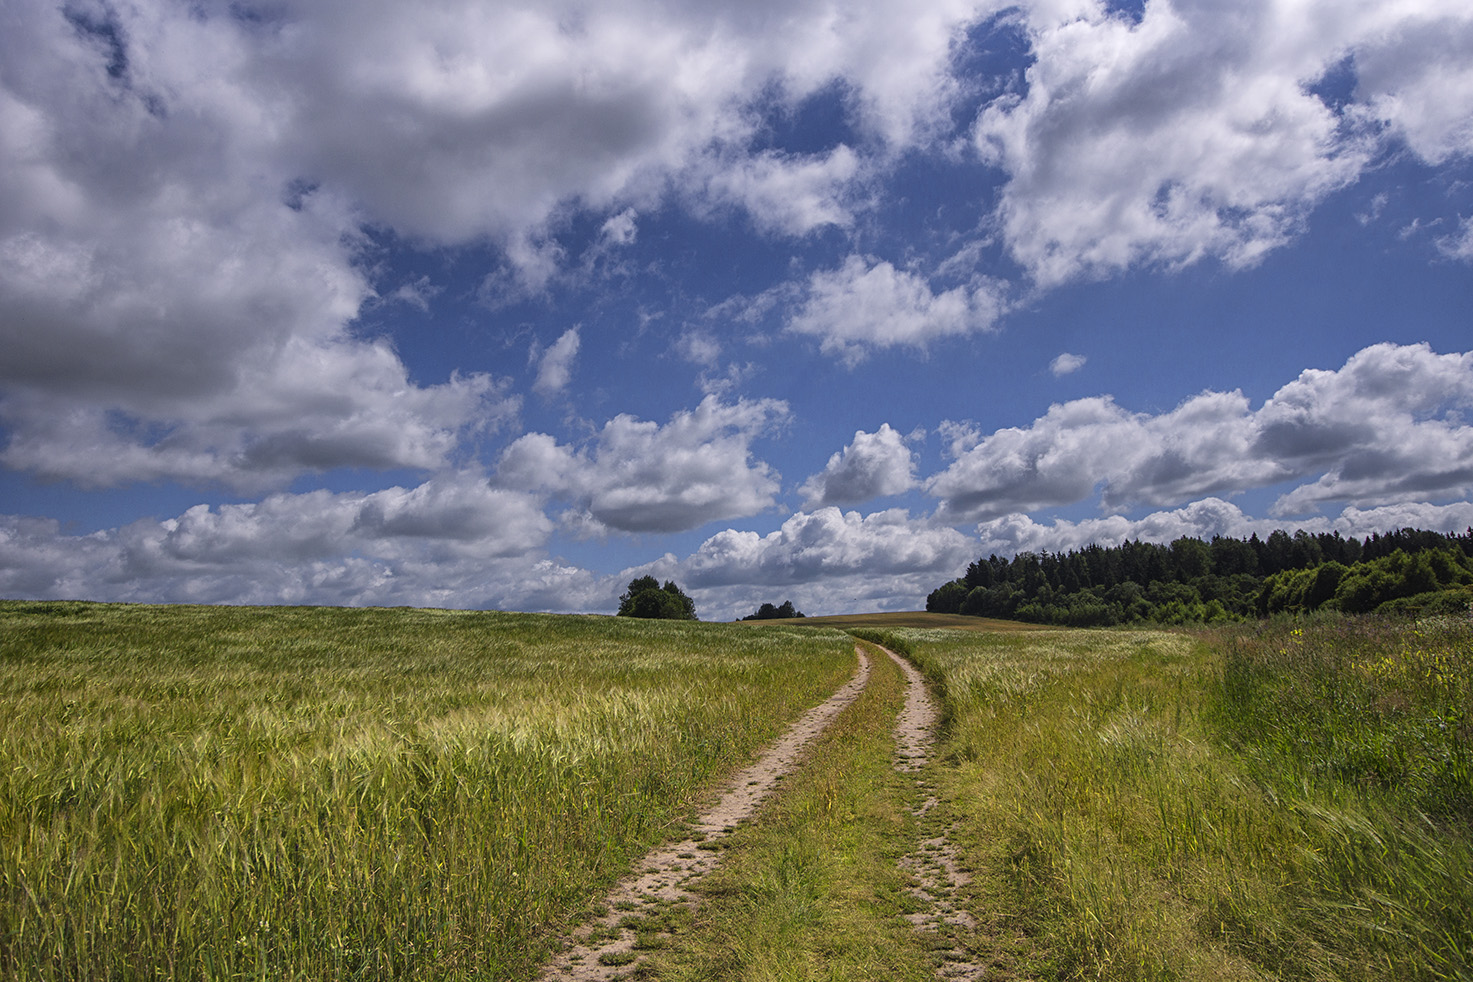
<point>1386,427</point>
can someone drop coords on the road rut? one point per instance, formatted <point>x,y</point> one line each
<point>934,864</point>
<point>605,948</point>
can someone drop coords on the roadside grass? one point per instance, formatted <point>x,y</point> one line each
<point>1145,806</point>
<point>810,889</point>
<point>314,793</point>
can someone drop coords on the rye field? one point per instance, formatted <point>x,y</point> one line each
<point>299,793</point>
<point>293,793</point>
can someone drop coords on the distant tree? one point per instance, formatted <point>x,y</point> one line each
<point>647,598</point>
<point>767,612</point>
<point>947,598</point>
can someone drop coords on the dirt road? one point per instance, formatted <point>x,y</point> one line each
<point>605,949</point>
<point>939,877</point>
<point>609,947</point>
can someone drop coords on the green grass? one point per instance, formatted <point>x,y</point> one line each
<point>206,792</point>
<point>811,890</point>
<point>1145,806</point>
<point>319,793</point>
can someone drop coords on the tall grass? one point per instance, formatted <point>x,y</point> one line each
<point>324,793</point>
<point>1385,706</point>
<point>811,889</point>
<point>1363,728</point>
<point>1148,807</point>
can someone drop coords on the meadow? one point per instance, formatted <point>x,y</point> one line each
<point>1288,800</point>
<point>299,793</point>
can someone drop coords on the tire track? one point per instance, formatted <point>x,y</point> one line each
<point>609,946</point>
<point>934,864</point>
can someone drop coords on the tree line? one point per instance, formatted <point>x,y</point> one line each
<point>1191,580</point>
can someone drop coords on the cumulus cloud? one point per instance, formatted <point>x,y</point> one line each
<point>301,408</point>
<point>840,560</point>
<point>1066,364</point>
<point>174,304</point>
<point>868,303</point>
<point>1415,76</point>
<point>1385,427</point>
<point>1197,132</point>
<point>183,194</point>
<point>786,193</point>
<point>452,541</point>
<point>639,476</point>
<point>872,466</point>
<point>555,365</point>
<point>1011,534</point>
<point>826,542</point>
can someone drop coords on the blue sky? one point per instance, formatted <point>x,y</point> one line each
<point>501,305</point>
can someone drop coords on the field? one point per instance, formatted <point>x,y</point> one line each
<point>314,793</point>
<point>1292,800</point>
<point>332,794</point>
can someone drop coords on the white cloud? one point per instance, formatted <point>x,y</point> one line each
<point>555,366</point>
<point>1012,534</point>
<point>173,305</point>
<point>1385,427</point>
<point>873,465</point>
<point>788,194</point>
<point>1414,70</point>
<point>1066,364</point>
<point>868,303</point>
<point>825,561</point>
<point>699,347</point>
<point>1460,244</point>
<point>299,408</point>
<point>417,294</point>
<point>638,476</point>
<point>621,229</point>
<point>1093,444</point>
<point>458,120</point>
<point>826,542</point>
<point>183,192</point>
<point>958,437</point>
<point>453,541</point>
<point>1195,133</point>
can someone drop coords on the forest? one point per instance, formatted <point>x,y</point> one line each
<point>1190,581</point>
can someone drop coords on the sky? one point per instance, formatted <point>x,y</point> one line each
<point>501,305</point>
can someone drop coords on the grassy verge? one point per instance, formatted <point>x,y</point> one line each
<point>324,793</point>
<point>811,890</point>
<point>1144,806</point>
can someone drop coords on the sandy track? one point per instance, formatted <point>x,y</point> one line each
<point>934,864</point>
<point>604,949</point>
